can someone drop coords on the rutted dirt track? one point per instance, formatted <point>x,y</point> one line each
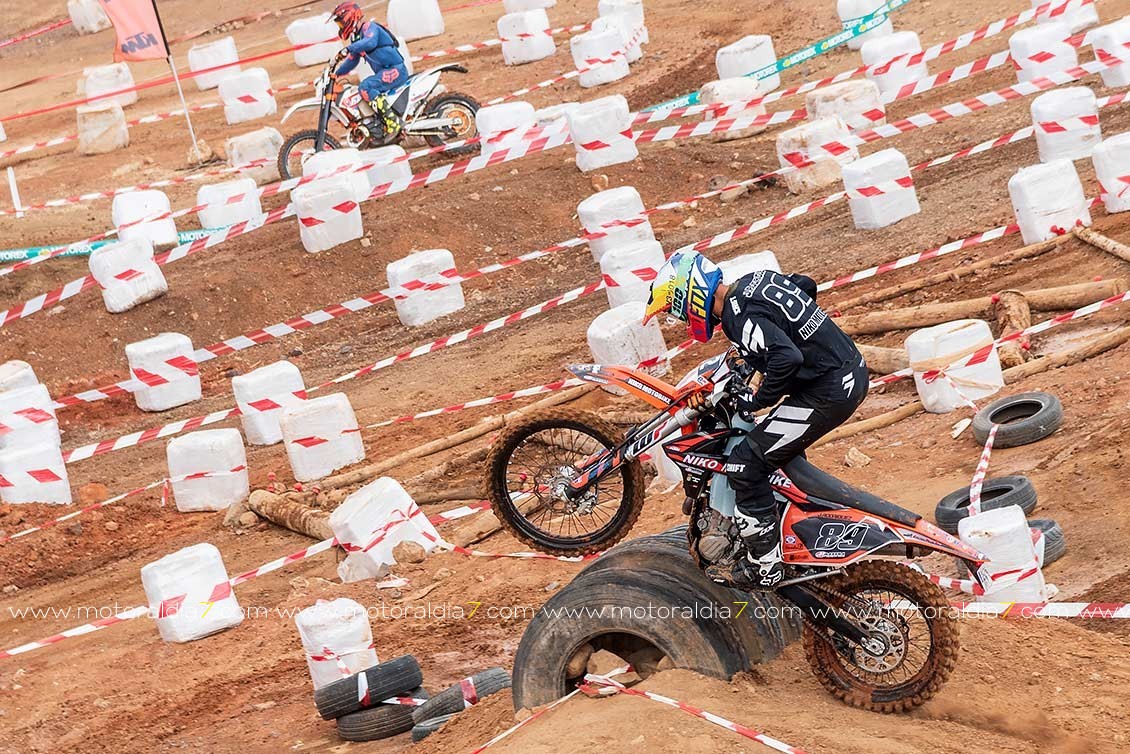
<point>1020,686</point>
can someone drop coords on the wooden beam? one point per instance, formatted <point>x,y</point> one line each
<point>1109,245</point>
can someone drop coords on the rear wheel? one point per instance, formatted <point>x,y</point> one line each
<point>911,622</point>
<point>461,109</point>
<point>298,148</point>
<point>531,461</point>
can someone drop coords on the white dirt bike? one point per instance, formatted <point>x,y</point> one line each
<point>423,106</point>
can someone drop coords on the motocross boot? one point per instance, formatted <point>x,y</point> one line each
<point>763,566</point>
<point>388,117</point>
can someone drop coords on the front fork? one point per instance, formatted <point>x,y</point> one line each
<point>323,125</point>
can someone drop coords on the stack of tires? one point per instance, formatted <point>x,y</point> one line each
<point>648,591</point>
<point>1023,419</point>
<point>434,713</point>
<point>356,702</point>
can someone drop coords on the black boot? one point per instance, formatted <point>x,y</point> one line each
<point>763,566</point>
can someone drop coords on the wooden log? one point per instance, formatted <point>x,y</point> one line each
<point>882,360</point>
<point>426,478</point>
<point>473,529</point>
<point>1109,245</point>
<point>1013,315</point>
<point>885,419</point>
<point>462,492</point>
<point>1088,349</point>
<point>1044,299</point>
<point>952,275</point>
<point>366,473</point>
<point>290,512</point>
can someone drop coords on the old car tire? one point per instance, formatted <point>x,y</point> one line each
<point>1023,418</point>
<point>382,721</point>
<point>450,700</point>
<point>396,677</point>
<point>999,492</point>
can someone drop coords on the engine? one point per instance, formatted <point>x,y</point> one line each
<point>719,541</point>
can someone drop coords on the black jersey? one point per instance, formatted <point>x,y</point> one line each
<point>781,332</point>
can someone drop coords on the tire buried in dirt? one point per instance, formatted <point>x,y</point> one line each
<point>631,475</point>
<point>659,598</point>
<point>422,730</point>
<point>1023,418</point>
<point>396,677</point>
<point>382,721</point>
<point>450,700</point>
<point>999,492</point>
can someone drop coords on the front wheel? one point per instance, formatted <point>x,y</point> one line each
<point>297,148</point>
<point>531,462</point>
<point>912,631</point>
<point>460,108</point>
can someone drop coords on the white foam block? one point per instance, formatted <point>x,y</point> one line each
<point>321,436</point>
<point>15,374</point>
<point>853,11</point>
<point>229,202</point>
<point>884,49</point>
<point>210,450</point>
<point>415,19</point>
<point>247,95</point>
<point>620,262</point>
<point>182,592</point>
<point>892,203</point>
<point>1075,140</point>
<point>261,396</point>
<point>127,274</point>
<point>328,213</point>
<point>618,337</point>
<point>748,54</point>
<point>740,266</point>
<point>1048,199</point>
<point>87,16</point>
<point>555,114</point>
<point>518,6</point>
<point>1003,535</point>
<point>35,474</point>
<point>204,56</point>
<point>317,31</point>
<point>1111,40</point>
<point>502,126</point>
<point>137,205</point>
<point>801,142</point>
<point>348,158</point>
<point>597,130</point>
<point>934,348</point>
<point>388,165</point>
<point>620,203</point>
<point>104,79</point>
<point>1040,50</point>
<point>733,91</point>
<point>855,102</point>
<point>372,521</point>
<point>262,144</point>
<point>150,357</point>
<point>340,629</point>
<point>629,35</point>
<point>631,10</point>
<point>536,45</point>
<point>1077,17</point>
<point>422,307</point>
<point>101,128</point>
<point>30,413</point>
<point>592,46</point>
<point>1112,169</point>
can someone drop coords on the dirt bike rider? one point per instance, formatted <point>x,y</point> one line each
<point>380,49</point>
<point>778,330</point>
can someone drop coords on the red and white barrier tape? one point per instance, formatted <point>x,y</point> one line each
<point>169,606</point>
<point>596,683</point>
<point>489,43</point>
<point>982,470</point>
<point>36,32</point>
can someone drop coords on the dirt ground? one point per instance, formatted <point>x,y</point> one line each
<point>1020,686</point>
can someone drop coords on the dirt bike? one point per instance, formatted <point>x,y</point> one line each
<point>878,633</point>
<point>422,106</point>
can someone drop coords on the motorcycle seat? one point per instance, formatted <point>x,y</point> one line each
<point>821,484</point>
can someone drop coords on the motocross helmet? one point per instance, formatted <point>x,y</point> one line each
<point>684,289</point>
<point>348,17</point>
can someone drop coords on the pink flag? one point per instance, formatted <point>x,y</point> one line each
<point>140,36</point>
